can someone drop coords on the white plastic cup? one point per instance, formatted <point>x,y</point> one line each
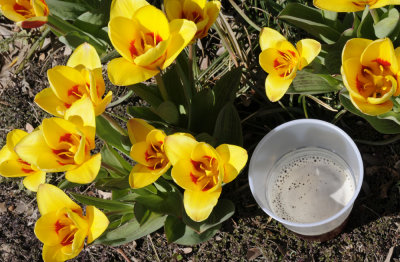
<point>295,135</point>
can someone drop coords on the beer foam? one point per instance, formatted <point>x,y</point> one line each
<point>309,185</point>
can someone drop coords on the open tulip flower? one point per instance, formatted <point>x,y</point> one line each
<point>201,12</point>
<point>27,13</point>
<point>64,145</point>
<point>146,41</point>
<point>281,60</point>
<point>200,170</point>
<point>148,151</point>
<point>81,77</point>
<point>370,73</point>
<point>352,5</point>
<point>62,227</point>
<point>11,165</point>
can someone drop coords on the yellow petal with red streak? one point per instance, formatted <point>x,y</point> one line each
<point>179,145</point>
<point>152,20</point>
<point>51,199</point>
<point>49,102</point>
<point>380,52</point>
<point>122,32</point>
<point>45,228</point>
<point>339,5</point>
<point>142,176</point>
<point>199,205</point>
<point>184,175</point>
<point>371,109</point>
<point>138,152</point>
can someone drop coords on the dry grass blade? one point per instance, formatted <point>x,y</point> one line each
<point>322,103</point>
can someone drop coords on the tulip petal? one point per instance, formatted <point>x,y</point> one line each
<point>65,82</point>
<point>203,150</point>
<point>173,9</point>
<point>33,181</point>
<point>80,235</point>
<point>276,87</point>
<point>212,8</point>
<point>183,174</point>
<point>270,38</point>
<point>122,31</point>
<point>152,19</point>
<point>49,102</point>
<point>6,154</point>
<point>97,85</point>
<point>142,176</point>
<point>101,107</point>
<point>33,22</point>
<point>354,48</point>
<point>339,5</point>
<point>138,152</point>
<point>371,109</point>
<point>154,56</point>
<point>34,150</point>
<point>125,8</point>
<point>51,199</point>
<point>85,55</point>
<point>86,172</point>
<point>179,145</point>
<point>308,49</point>
<point>55,128</point>
<point>182,33</point>
<point>380,52</point>
<point>199,205</point>
<point>382,3</point>
<point>98,223</point>
<point>81,113</point>
<point>138,129</point>
<point>8,11</point>
<point>54,253</point>
<point>234,159</point>
<point>45,229</point>
<point>14,168</point>
<point>123,73</point>
<point>350,69</point>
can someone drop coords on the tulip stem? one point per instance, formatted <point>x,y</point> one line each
<point>374,15</point>
<point>114,123</point>
<point>161,87</point>
<point>190,63</point>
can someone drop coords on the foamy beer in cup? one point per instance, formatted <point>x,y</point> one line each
<point>307,174</point>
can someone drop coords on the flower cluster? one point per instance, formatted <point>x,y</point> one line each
<point>197,167</point>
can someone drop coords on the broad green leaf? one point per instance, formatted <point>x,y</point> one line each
<point>143,112</point>
<point>75,38</point>
<point>393,116</point>
<point>205,137</point>
<point>118,222</point>
<point>311,84</point>
<point>65,184</point>
<point>168,111</point>
<point>387,26</point>
<point>113,161</point>
<point>67,9</point>
<point>366,27</point>
<point>148,93</point>
<point>109,205</point>
<point>142,213</point>
<point>177,232</point>
<point>131,230</point>
<point>120,194</point>
<point>112,136</point>
<point>228,129</point>
<point>90,22</point>
<point>310,20</point>
<point>221,212</point>
<point>174,86</point>
<point>113,183</point>
<point>202,109</point>
<point>225,89</point>
<point>385,126</point>
<point>164,202</point>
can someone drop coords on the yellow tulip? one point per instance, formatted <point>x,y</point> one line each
<point>62,227</point>
<point>281,60</point>
<point>64,145</point>
<point>370,73</point>
<point>11,165</point>
<point>352,5</point>
<point>148,151</point>
<point>27,13</point>
<point>146,41</point>
<point>201,12</point>
<point>200,170</point>
<point>82,76</point>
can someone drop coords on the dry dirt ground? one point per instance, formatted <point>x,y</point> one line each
<point>372,233</point>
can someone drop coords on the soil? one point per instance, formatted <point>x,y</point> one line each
<point>371,234</point>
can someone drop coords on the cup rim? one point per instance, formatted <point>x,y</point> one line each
<point>314,122</point>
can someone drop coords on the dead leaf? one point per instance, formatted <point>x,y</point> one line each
<point>253,253</point>
<point>29,128</point>
<point>3,207</point>
<point>389,255</point>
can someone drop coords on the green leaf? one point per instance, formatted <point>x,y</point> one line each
<point>142,213</point>
<point>205,137</point>
<point>221,212</point>
<point>174,86</point>
<point>366,27</point>
<point>177,232</point>
<point>311,84</point>
<point>109,205</point>
<point>228,128</point>
<point>168,111</point>
<point>202,108</point>
<point>387,26</point>
<point>90,22</point>
<point>112,159</point>
<point>385,125</point>
<point>148,93</point>
<point>112,136</point>
<point>131,230</point>
<point>66,9</point>
<point>143,112</point>
<point>225,89</point>
<point>310,20</point>
<point>113,183</point>
<point>393,116</point>
<point>164,202</point>
<point>75,38</point>
<point>65,184</point>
